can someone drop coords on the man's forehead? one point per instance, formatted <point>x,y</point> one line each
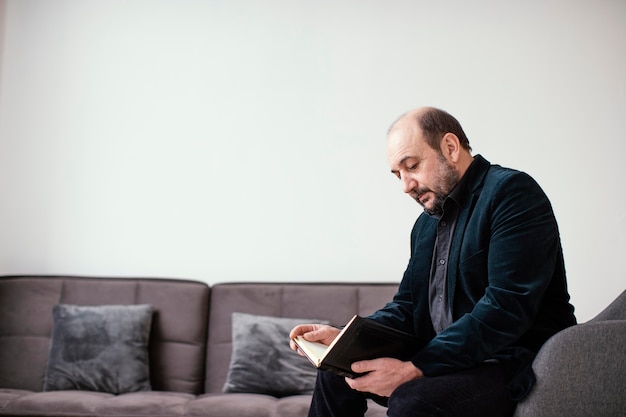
<point>403,150</point>
<point>406,138</point>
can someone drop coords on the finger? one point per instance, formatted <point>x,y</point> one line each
<point>357,384</point>
<point>314,335</point>
<point>300,330</point>
<point>362,367</point>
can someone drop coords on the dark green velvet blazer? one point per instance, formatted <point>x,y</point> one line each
<point>506,280</point>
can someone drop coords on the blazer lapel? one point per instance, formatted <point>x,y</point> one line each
<point>475,183</point>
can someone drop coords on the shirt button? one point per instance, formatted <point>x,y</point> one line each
<point>443,223</point>
<point>442,261</point>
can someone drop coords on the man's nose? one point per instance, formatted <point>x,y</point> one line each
<point>408,183</point>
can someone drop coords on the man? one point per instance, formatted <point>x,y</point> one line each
<point>485,286</point>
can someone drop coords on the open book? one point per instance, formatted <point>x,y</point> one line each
<point>360,339</point>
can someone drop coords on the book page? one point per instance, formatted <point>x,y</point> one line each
<point>314,350</point>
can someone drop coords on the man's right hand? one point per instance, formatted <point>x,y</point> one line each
<point>320,333</point>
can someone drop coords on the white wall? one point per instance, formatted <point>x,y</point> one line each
<point>245,140</point>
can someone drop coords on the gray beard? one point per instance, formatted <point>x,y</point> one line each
<point>448,179</point>
<point>437,209</point>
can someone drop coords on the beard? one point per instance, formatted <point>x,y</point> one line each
<point>446,179</point>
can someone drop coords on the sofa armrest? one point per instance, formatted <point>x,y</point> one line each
<point>580,372</point>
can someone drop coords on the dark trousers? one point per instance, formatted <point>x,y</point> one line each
<point>479,391</point>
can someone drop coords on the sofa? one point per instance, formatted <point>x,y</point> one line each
<point>194,344</point>
<point>190,342</point>
<point>581,370</point>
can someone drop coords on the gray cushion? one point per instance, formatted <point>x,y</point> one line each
<point>99,348</point>
<point>262,361</point>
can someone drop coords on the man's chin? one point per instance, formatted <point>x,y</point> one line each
<point>432,207</point>
<point>432,212</point>
<point>429,204</point>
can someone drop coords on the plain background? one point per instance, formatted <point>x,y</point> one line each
<point>244,140</point>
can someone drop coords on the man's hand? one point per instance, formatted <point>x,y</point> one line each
<point>321,333</point>
<point>384,375</point>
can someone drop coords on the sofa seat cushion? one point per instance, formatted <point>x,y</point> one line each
<point>7,395</point>
<point>259,405</point>
<point>234,405</point>
<point>156,404</point>
<point>61,403</point>
<point>89,403</point>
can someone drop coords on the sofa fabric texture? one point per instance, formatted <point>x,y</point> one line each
<point>190,343</point>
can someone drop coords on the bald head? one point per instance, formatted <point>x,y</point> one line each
<point>433,124</point>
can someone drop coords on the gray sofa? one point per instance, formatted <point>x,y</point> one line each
<point>190,342</point>
<point>579,371</point>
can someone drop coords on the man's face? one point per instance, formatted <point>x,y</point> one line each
<point>425,173</point>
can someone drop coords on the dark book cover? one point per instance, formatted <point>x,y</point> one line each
<point>360,339</point>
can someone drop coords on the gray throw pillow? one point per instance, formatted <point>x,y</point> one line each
<point>99,348</point>
<point>262,361</point>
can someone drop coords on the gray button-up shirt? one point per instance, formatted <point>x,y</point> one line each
<point>440,308</point>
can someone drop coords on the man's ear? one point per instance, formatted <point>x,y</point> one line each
<point>451,147</point>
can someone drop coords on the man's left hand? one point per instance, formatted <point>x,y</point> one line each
<point>383,376</point>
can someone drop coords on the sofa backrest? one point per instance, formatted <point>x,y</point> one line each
<point>178,335</point>
<point>336,303</point>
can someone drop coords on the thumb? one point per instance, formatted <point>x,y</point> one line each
<point>314,335</point>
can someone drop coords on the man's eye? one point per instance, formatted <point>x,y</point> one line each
<point>412,167</point>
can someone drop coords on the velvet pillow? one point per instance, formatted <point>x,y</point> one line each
<point>99,348</point>
<point>262,361</point>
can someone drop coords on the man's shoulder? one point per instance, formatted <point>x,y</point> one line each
<point>484,173</point>
<point>484,169</point>
<point>507,187</point>
<point>497,176</point>
<point>498,184</point>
